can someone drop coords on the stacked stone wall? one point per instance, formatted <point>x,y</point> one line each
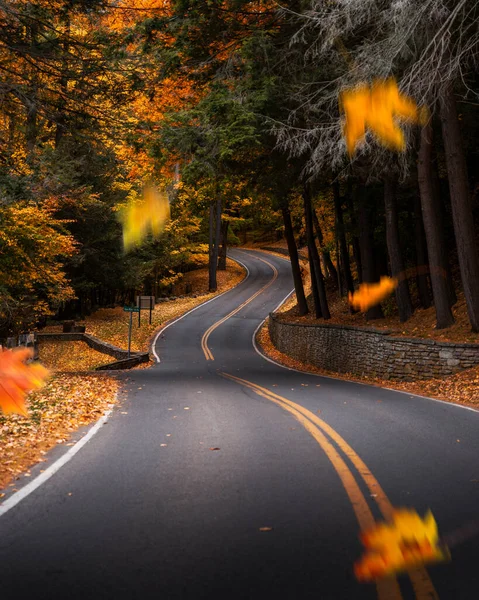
<point>361,351</point>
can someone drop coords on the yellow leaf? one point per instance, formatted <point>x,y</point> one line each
<point>377,108</point>
<point>405,542</point>
<point>140,217</point>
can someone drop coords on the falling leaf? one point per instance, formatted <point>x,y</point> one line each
<point>214,448</point>
<point>377,108</point>
<point>266,529</point>
<point>405,542</point>
<point>370,294</point>
<point>140,217</point>
<point>17,378</point>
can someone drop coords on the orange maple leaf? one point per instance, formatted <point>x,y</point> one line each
<point>405,542</point>
<point>17,378</point>
<point>377,108</point>
<point>370,294</point>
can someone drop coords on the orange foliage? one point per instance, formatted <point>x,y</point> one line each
<point>17,378</point>
<point>406,542</point>
<point>370,294</point>
<point>376,108</point>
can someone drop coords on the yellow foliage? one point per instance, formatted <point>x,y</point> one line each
<point>370,294</point>
<point>376,108</point>
<point>149,214</point>
<point>405,542</point>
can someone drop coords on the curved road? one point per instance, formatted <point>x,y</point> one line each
<point>222,475</point>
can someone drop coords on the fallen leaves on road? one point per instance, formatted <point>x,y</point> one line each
<point>64,404</point>
<point>405,542</point>
<point>214,448</point>
<point>17,378</point>
<point>266,529</point>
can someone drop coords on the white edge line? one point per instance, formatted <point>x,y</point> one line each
<point>153,344</point>
<point>258,351</point>
<point>55,467</point>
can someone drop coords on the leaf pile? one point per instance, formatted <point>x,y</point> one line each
<point>461,388</point>
<point>64,404</point>
<point>71,356</point>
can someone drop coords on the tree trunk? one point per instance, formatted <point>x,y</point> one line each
<point>350,195</point>
<point>212,263</point>
<point>434,239</point>
<point>216,246</point>
<point>368,264</point>
<point>403,297</point>
<point>422,266</point>
<point>314,256</point>
<point>462,216</point>
<point>343,247</point>
<point>293,255</point>
<point>328,263</point>
<point>224,246</point>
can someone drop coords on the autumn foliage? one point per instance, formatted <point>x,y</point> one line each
<point>17,378</point>
<point>377,108</point>
<point>405,542</point>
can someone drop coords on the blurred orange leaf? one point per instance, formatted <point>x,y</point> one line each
<point>370,294</point>
<point>405,542</point>
<point>376,108</point>
<point>17,378</point>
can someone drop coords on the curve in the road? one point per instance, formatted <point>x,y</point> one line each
<point>204,340</point>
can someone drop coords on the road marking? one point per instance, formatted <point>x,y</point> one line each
<point>422,584</point>
<point>153,345</point>
<point>204,340</point>
<point>53,468</point>
<point>278,364</point>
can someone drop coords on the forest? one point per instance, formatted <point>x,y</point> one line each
<point>233,108</point>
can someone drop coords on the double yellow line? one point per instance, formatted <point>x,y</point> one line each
<point>204,340</point>
<point>387,589</point>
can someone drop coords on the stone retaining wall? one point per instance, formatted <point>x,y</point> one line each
<point>98,345</point>
<point>368,351</point>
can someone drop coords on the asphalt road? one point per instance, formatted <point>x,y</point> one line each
<point>222,475</point>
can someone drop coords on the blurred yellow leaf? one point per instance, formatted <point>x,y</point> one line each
<point>17,378</point>
<point>370,294</point>
<point>377,108</point>
<point>140,217</point>
<point>405,542</point>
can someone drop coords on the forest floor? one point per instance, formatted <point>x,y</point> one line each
<point>73,396</point>
<point>462,388</point>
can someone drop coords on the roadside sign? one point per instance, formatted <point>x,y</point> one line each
<point>131,309</point>
<point>145,302</point>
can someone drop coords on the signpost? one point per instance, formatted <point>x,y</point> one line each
<point>145,302</point>
<point>131,310</point>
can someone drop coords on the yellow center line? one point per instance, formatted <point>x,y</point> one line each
<point>422,584</point>
<point>204,340</point>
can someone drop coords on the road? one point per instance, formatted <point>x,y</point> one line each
<point>222,475</point>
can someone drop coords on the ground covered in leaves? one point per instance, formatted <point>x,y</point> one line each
<point>64,404</point>
<point>462,387</point>
<point>71,356</point>
<point>111,324</point>
<point>73,398</point>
